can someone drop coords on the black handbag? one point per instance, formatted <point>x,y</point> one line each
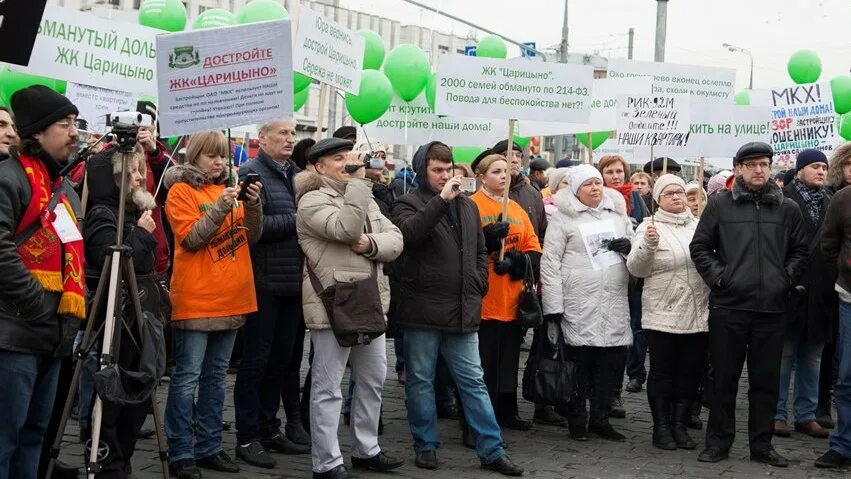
<point>529,313</point>
<point>550,376</point>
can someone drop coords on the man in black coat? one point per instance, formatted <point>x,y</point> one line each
<point>274,334</point>
<point>750,248</point>
<point>810,316</point>
<point>444,276</point>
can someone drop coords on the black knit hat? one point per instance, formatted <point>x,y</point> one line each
<point>808,157</point>
<point>37,107</point>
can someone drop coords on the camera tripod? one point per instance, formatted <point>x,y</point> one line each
<point>117,268</point>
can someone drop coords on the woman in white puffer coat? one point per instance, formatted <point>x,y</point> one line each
<point>584,281</point>
<point>675,312</point>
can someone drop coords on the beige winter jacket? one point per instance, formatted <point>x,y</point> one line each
<point>331,217</point>
<point>675,298</point>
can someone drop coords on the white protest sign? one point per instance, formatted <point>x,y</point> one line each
<point>83,48</point>
<point>513,89</point>
<point>96,103</point>
<point>603,117</point>
<point>611,147</point>
<point>702,83</point>
<point>802,117</point>
<point>424,126</point>
<point>720,130</point>
<point>223,77</point>
<point>653,120</point>
<point>328,52</point>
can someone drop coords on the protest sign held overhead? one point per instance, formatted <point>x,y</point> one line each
<point>219,78</point>
<point>96,103</point>
<point>502,89</point>
<point>703,83</point>
<point>653,120</point>
<point>328,52</point>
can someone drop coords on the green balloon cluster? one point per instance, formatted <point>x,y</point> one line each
<point>431,90</point>
<point>300,98</point>
<point>168,15</point>
<point>11,81</point>
<point>373,50</point>
<point>214,18</point>
<point>408,70</point>
<point>300,82</point>
<point>262,11</point>
<point>491,46</point>
<point>841,88</point>
<point>466,154</point>
<point>597,138</point>
<point>743,97</point>
<point>845,126</point>
<point>804,67</point>
<point>373,98</point>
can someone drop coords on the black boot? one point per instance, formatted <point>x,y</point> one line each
<point>660,408</point>
<point>694,421</point>
<point>680,420</point>
<point>294,430</point>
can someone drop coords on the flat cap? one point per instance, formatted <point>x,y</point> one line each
<point>659,164</point>
<point>346,132</point>
<point>754,149</point>
<point>501,147</point>
<point>539,164</point>
<point>328,146</point>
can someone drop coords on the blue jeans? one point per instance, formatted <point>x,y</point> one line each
<point>29,387</point>
<point>840,440</point>
<point>461,353</point>
<point>806,359</point>
<point>201,361</point>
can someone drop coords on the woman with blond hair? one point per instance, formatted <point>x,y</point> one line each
<point>212,289</point>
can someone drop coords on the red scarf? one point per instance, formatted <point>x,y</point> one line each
<point>626,190</point>
<point>57,267</point>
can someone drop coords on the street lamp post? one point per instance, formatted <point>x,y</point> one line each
<point>747,52</point>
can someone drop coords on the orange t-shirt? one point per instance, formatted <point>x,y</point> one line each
<point>208,283</point>
<point>503,296</point>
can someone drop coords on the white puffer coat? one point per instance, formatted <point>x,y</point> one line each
<point>675,298</point>
<point>593,303</point>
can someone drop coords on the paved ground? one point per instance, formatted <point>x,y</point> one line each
<point>545,451</point>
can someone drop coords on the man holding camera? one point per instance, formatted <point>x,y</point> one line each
<point>42,295</point>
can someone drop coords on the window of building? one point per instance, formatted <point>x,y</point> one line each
<point>442,49</point>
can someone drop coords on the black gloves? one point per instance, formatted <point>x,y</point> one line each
<point>556,318</point>
<point>620,245</point>
<point>514,264</point>
<point>494,233</point>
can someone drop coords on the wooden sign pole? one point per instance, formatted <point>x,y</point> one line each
<point>652,200</point>
<point>509,151</point>
<point>320,117</point>
<point>700,198</point>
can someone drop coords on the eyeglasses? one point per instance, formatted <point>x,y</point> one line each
<point>674,194</point>
<point>752,165</point>
<point>65,125</point>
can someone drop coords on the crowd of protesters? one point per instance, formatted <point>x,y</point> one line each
<point>700,276</point>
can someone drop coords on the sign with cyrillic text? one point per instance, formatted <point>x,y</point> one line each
<point>415,124</point>
<point>328,52</point>
<point>19,21</point>
<point>83,48</point>
<point>513,89</point>
<point>223,77</point>
<point>653,120</point>
<point>96,103</point>
<point>704,84</point>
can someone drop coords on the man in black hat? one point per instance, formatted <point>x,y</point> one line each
<point>537,169</point>
<point>41,256</point>
<point>750,248</point>
<point>656,167</point>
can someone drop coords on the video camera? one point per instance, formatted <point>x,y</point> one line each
<point>125,126</point>
<point>370,160</point>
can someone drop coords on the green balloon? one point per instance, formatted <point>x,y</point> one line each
<point>492,46</point>
<point>262,11</point>
<point>845,126</point>
<point>466,154</point>
<point>61,86</point>
<point>214,18</point>
<point>11,81</point>
<point>431,90</point>
<point>373,50</point>
<point>373,98</point>
<point>804,67</point>
<point>172,140</point>
<point>841,88</point>
<point>597,138</point>
<point>743,97</point>
<point>522,141</point>
<point>300,98</point>
<point>408,70</point>
<point>300,82</point>
<point>168,15</point>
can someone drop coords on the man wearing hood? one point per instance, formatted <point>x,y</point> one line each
<point>444,275</point>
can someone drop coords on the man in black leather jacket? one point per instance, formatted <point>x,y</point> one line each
<point>749,247</point>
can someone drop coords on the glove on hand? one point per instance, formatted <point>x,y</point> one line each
<point>620,245</point>
<point>513,264</point>
<point>494,233</point>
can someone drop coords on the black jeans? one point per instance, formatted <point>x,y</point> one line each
<point>733,336</point>
<point>269,337</point>
<point>677,364</point>
<point>598,370</point>
<point>638,351</point>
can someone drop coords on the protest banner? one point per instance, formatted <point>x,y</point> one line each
<point>328,52</point>
<point>501,89</point>
<point>603,115</point>
<point>83,48</point>
<point>703,83</point>
<point>415,124</point>
<point>218,78</point>
<point>96,103</point>
<point>19,21</point>
<point>802,116</point>
<point>653,120</point>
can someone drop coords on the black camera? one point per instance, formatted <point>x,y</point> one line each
<point>125,126</point>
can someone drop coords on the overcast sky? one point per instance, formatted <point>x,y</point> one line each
<point>771,29</point>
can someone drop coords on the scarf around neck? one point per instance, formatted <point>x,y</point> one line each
<point>625,190</point>
<point>813,198</point>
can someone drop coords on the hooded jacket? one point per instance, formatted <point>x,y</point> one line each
<point>675,299</point>
<point>750,248</point>
<point>839,159</point>
<point>331,217</point>
<point>592,302</point>
<point>836,240</point>
<point>444,268</point>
